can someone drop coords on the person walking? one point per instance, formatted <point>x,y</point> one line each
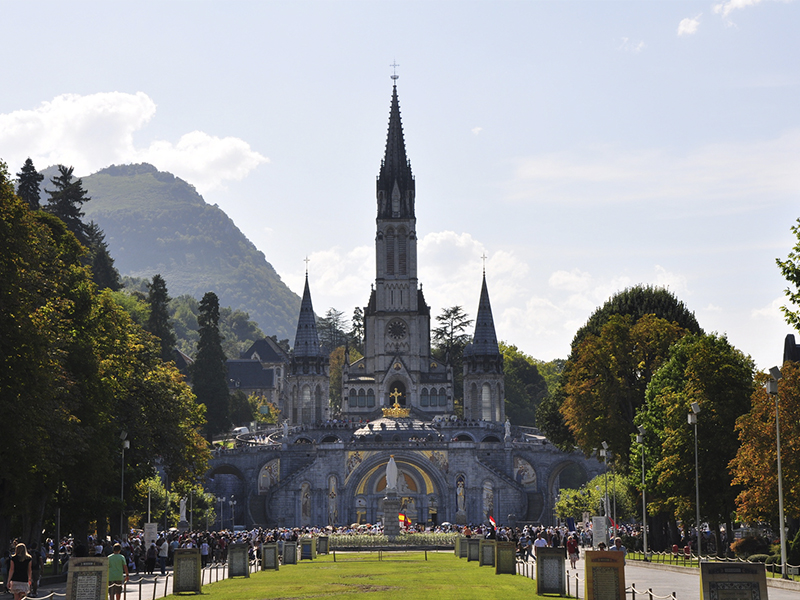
<point>19,572</point>
<point>573,550</point>
<point>118,573</point>
<point>163,553</point>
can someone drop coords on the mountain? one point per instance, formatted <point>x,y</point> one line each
<point>155,222</point>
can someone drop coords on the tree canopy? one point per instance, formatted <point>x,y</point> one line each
<point>524,386</point>
<point>28,180</point>
<point>209,373</point>
<point>790,269</point>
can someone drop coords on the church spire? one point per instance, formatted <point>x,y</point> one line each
<point>484,342</point>
<point>306,341</point>
<point>395,185</point>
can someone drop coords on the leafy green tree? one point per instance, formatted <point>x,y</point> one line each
<point>283,344</point>
<point>524,386</point>
<point>238,331</point>
<point>705,369</point>
<point>209,373</point>
<point>606,378</point>
<point>637,302</point>
<point>590,498</point>
<point>28,180</point>
<point>240,409</point>
<point>158,321</point>
<point>66,200</point>
<point>790,269</point>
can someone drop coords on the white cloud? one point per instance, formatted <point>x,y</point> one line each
<point>727,7</point>
<point>771,311</point>
<point>477,130</point>
<point>629,45</point>
<point>572,281</point>
<point>94,131</point>
<point>674,282</point>
<point>688,26</point>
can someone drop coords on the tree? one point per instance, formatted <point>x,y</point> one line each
<point>707,370</point>
<point>606,377</point>
<point>637,302</point>
<point>356,335</point>
<point>158,322</point>
<point>28,180</point>
<point>104,273</point>
<point>331,330</point>
<point>449,340</point>
<point>209,373</point>
<point>336,363</point>
<point>755,464</point>
<point>524,386</point>
<point>790,269</point>
<point>240,408</point>
<point>66,200</point>
<point>590,498</point>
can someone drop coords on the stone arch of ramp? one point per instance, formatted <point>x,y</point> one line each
<point>422,485</point>
<point>227,481</point>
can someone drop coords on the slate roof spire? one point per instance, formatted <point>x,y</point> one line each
<point>395,185</point>
<point>306,341</point>
<point>484,342</point>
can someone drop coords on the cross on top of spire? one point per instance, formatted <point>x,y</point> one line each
<point>394,75</point>
<point>484,257</point>
<point>306,260</point>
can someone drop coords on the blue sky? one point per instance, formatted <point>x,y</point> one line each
<point>582,146</point>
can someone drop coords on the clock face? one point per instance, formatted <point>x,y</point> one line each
<point>397,329</point>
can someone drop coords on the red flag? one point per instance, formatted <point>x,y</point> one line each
<point>492,521</point>
<point>404,520</point>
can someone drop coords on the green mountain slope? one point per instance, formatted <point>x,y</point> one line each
<point>157,223</point>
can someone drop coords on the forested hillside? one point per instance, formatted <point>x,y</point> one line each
<point>155,222</point>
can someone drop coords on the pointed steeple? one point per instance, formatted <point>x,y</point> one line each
<point>395,185</point>
<point>306,341</point>
<point>484,342</point>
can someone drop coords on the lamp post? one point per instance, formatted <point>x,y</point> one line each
<point>125,444</point>
<point>640,440</point>
<point>772,390</point>
<point>604,454</point>
<point>222,501</point>
<point>693,421</point>
<point>232,504</point>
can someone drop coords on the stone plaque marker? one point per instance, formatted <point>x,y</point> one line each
<point>324,544</point>
<point>505,558</point>
<point>605,575</point>
<point>238,560</point>
<point>486,553</point>
<point>87,578</point>
<point>462,547</point>
<point>290,553</point>
<point>599,531</point>
<point>269,557</point>
<point>308,548</point>
<point>187,572</point>
<point>732,581</point>
<point>550,571</point>
<point>473,549</point>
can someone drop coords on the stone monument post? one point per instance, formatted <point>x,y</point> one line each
<point>391,503</point>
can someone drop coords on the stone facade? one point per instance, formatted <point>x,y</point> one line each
<point>315,471</point>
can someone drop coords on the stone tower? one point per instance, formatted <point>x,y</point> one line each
<point>308,382</point>
<point>397,364</point>
<point>484,393</point>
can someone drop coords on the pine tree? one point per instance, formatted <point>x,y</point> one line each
<point>104,273</point>
<point>28,189</point>
<point>209,373</point>
<point>66,200</point>
<point>158,322</point>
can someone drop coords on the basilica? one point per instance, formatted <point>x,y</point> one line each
<point>397,400</point>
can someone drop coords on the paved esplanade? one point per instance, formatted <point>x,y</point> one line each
<point>664,580</point>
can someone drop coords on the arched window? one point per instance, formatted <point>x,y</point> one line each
<point>353,402</point>
<point>362,398</point>
<point>442,397</point>
<point>318,403</point>
<point>473,402</point>
<point>370,398</point>
<point>402,257</point>
<point>306,404</point>
<point>486,402</point>
<point>424,399</point>
<point>390,241</point>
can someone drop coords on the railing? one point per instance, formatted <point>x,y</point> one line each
<point>160,583</point>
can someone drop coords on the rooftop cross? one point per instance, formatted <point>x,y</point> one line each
<point>394,66</point>
<point>306,260</point>
<point>484,257</point>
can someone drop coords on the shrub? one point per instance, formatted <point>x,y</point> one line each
<point>760,558</point>
<point>751,544</point>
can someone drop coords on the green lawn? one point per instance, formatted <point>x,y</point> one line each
<point>400,575</point>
